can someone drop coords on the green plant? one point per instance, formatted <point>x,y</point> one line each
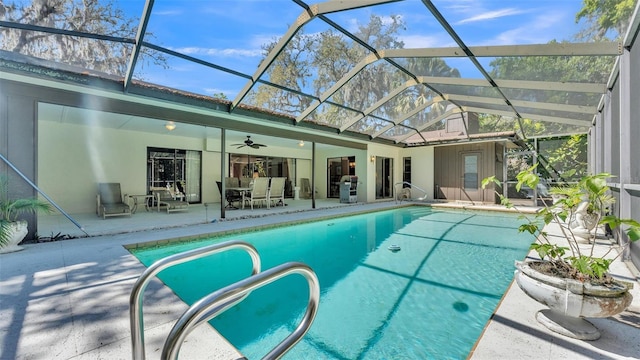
<point>579,263</point>
<point>11,209</point>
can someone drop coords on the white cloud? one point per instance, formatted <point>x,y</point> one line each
<point>491,15</point>
<point>422,41</point>
<point>388,20</point>
<point>539,30</point>
<point>219,52</point>
<point>174,12</point>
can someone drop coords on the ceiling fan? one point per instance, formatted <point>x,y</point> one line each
<point>249,143</point>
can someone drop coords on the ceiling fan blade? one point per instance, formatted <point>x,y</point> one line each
<point>259,145</point>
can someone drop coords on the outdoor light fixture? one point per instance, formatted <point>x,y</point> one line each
<point>170,125</point>
<point>301,143</point>
<point>373,158</point>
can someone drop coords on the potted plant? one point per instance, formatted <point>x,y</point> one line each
<point>12,230</point>
<point>568,277</point>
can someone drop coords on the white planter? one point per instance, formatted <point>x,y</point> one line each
<point>570,301</point>
<point>18,230</point>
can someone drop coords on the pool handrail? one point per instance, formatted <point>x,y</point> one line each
<point>424,192</point>
<point>217,302</point>
<point>135,300</point>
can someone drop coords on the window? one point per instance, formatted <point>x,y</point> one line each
<point>471,172</point>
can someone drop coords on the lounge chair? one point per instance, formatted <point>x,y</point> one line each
<point>259,192</point>
<point>276,191</point>
<point>109,201</point>
<point>164,199</point>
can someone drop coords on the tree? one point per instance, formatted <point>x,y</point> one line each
<point>587,69</point>
<point>290,69</point>
<point>601,16</point>
<point>220,95</point>
<point>564,156</point>
<point>85,16</point>
<point>314,63</point>
<point>604,15</point>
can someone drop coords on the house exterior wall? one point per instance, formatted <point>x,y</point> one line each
<point>383,152</point>
<point>422,170</point>
<point>72,159</point>
<point>448,170</point>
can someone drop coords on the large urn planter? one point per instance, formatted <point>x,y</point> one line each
<point>17,230</point>
<point>570,301</point>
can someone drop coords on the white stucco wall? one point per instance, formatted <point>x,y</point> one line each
<point>72,159</point>
<point>422,162</point>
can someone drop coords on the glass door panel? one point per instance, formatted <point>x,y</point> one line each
<point>384,178</point>
<point>337,168</point>
<point>178,171</point>
<point>470,187</point>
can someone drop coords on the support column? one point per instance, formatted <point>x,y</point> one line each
<point>18,143</point>
<point>625,141</point>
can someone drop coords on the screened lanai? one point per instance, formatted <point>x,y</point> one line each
<point>366,72</point>
<point>387,71</point>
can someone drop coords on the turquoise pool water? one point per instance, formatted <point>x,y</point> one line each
<point>430,300</point>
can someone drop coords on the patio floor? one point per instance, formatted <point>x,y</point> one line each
<point>70,299</point>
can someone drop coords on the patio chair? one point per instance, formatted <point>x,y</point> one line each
<point>245,182</point>
<point>165,199</point>
<point>276,190</point>
<point>259,192</point>
<point>230,195</point>
<point>305,190</point>
<point>231,182</point>
<point>109,201</point>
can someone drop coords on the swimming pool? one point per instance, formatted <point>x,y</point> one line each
<point>430,300</point>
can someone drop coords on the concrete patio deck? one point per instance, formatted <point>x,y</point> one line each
<point>70,299</point>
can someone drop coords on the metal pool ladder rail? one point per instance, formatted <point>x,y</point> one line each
<point>411,186</point>
<point>215,303</point>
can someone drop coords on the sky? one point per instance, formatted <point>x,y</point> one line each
<point>231,33</point>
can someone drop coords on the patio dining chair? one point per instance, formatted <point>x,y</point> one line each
<point>276,191</point>
<point>259,192</point>
<point>230,195</point>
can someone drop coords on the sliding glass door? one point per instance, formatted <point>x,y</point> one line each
<point>176,170</point>
<point>249,166</point>
<point>337,168</point>
<point>384,177</point>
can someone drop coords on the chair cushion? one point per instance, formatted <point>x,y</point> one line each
<point>115,208</point>
<point>110,193</point>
